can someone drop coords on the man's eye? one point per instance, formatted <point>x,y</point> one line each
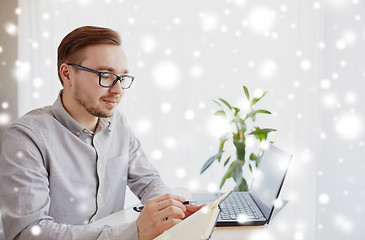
<point>108,76</point>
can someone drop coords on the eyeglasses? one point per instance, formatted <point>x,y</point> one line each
<point>107,79</point>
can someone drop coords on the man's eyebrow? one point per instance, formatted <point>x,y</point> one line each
<point>109,69</point>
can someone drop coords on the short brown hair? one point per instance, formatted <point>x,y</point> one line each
<point>69,50</point>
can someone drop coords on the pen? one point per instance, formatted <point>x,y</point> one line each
<point>139,208</point>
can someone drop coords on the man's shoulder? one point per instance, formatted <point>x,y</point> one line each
<point>35,118</point>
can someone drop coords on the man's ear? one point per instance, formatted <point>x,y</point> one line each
<point>65,73</point>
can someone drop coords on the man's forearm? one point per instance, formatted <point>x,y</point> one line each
<point>50,230</point>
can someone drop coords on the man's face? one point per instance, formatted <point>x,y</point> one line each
<point>96,100</point>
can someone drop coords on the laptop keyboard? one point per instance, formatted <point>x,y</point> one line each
<point>238,204</point>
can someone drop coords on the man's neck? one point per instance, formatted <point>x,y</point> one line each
<point>77,112</point>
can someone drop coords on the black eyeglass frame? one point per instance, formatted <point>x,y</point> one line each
<point>118,78</point>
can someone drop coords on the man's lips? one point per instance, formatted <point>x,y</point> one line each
<point>111,101</point>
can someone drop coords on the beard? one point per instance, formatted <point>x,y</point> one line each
<point>94,109</point>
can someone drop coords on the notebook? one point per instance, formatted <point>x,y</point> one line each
<point>255,207</point>
<point>198,226</point>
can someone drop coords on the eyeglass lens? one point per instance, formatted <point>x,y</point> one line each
<point>108,80</point>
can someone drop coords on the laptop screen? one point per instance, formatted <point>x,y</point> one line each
<point>269,178</point>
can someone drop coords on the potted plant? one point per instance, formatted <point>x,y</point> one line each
<point>244,126</point>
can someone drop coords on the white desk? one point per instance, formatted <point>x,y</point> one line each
<point>219,233</point>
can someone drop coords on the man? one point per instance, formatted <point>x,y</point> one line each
<point>67,165</point>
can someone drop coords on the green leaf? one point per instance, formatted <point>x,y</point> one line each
<point>220,113</point>
<point>263,111</point>
<point>250,167</point>
<point>253,157</point>
<point>237,171</point>
<point>255,100</point>
<point>226,103</point>
<point>221,146</point>
<point>225,163</point>
<point>246,92</point>
<point>217,103</point>
<point>227,175</point>
<point>242,187</point>
<point>209,162</point>
<point>253,113</point>
<point>261,134</point>
<point>241,149</point>
<point>237,110</point>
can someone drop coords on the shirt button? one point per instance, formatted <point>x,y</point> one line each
<point>78,133</point>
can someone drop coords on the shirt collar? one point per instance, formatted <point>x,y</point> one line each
<point>70,123</point>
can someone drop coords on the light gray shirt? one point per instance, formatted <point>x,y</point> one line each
<point>56,176</point>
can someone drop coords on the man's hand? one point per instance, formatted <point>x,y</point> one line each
<point>191,208</point>
<point>161,213</point>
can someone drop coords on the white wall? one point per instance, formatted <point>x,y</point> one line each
<point>209,49</point>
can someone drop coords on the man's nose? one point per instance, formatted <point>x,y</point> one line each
<point>117,88</point>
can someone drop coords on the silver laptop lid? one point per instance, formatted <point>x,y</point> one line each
<point>269,178</point>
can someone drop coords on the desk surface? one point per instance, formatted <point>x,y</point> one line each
<point>219,233</point>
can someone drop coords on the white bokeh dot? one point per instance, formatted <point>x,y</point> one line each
<point>4,119</point>
<point>201,105</point>
<point>323,198</point>
<point>341,44</point>
<point>350,98</point>
<point>170,142</point>
<point>166,107</point>
<point>156,154</point>
<point>35,230</point>
<point>325,84</point>
<point>316,5</point>
<point>196,54</point>
<point>349,126</point>
<point>350,37</point>
<point>168,51</point>
<point>18,11</point>
<point>143,126</point>
<point>197,71</point>
<point>19,154</point>
<point>261,20</point>
<point>268,69</point>
<point>212,187</point>
<point>189,114</point>
<point>131,20</point>
<point>11,28</point>
<point>343,223</point>
<point>321,45</point>
<point>209,21</point>
<point>5,105</point>
<point>46,16</point>
<point>22,70</point>
<point>177,20</point>
<point>283,8</point>
<point>305,65</point>
<point>299,235</point>
<point>38,82</point>
<point>166,75</point>
<point>180,173</point>
<point>148,43</point>
<point>35,95</point>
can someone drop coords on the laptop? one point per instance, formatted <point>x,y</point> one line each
<point>255,207</point>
